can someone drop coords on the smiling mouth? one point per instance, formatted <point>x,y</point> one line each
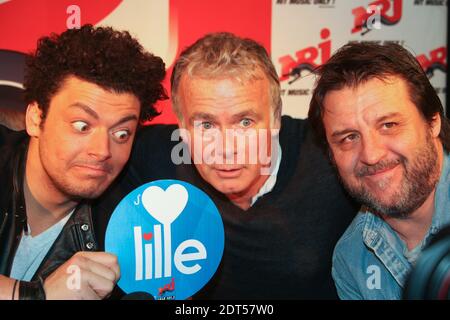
<point>380,173</point>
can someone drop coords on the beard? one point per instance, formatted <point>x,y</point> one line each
<point>421,175</point>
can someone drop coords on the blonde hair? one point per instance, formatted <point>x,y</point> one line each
<point>225,55</point>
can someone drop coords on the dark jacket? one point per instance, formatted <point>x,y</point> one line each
<point>77,234</point>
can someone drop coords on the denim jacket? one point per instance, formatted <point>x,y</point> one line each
<point>370,261</point>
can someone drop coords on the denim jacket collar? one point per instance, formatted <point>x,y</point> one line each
<point>382,240</point>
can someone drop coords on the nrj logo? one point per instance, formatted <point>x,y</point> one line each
<point>166,232</point>
<point>377,13</point>
<point>307,59</point>
<point>436,60</point>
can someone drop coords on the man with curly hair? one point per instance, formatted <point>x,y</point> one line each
<point>87,90</point>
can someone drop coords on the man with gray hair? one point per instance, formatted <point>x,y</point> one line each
<point>282,206</point>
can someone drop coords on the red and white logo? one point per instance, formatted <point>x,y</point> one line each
<point>380,12</point>
<point>435,60</point>
<point>306,59</point>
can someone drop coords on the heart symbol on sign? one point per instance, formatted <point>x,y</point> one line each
<point>165,206</point>
<point>148,236</point>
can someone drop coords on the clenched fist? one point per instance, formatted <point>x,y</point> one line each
<point>85,276</point>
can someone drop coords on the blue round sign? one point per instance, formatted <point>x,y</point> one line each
<point>169,238</point>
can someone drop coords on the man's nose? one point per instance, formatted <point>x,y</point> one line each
<point>99,146</point>
<point>233,145</point>
<point>372,150</point>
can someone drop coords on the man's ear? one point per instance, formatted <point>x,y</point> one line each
<point>435,125</point>
<point>33,119</point>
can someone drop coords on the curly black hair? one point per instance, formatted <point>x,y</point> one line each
<point>111,59</point>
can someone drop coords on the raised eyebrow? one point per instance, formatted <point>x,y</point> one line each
<point>247,113</point>
<point>85,108</point>
<point>201,115</point>
<point>95,115</point>
<point>125,119</point>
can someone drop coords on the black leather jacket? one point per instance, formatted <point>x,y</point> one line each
<point>77,234</point>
